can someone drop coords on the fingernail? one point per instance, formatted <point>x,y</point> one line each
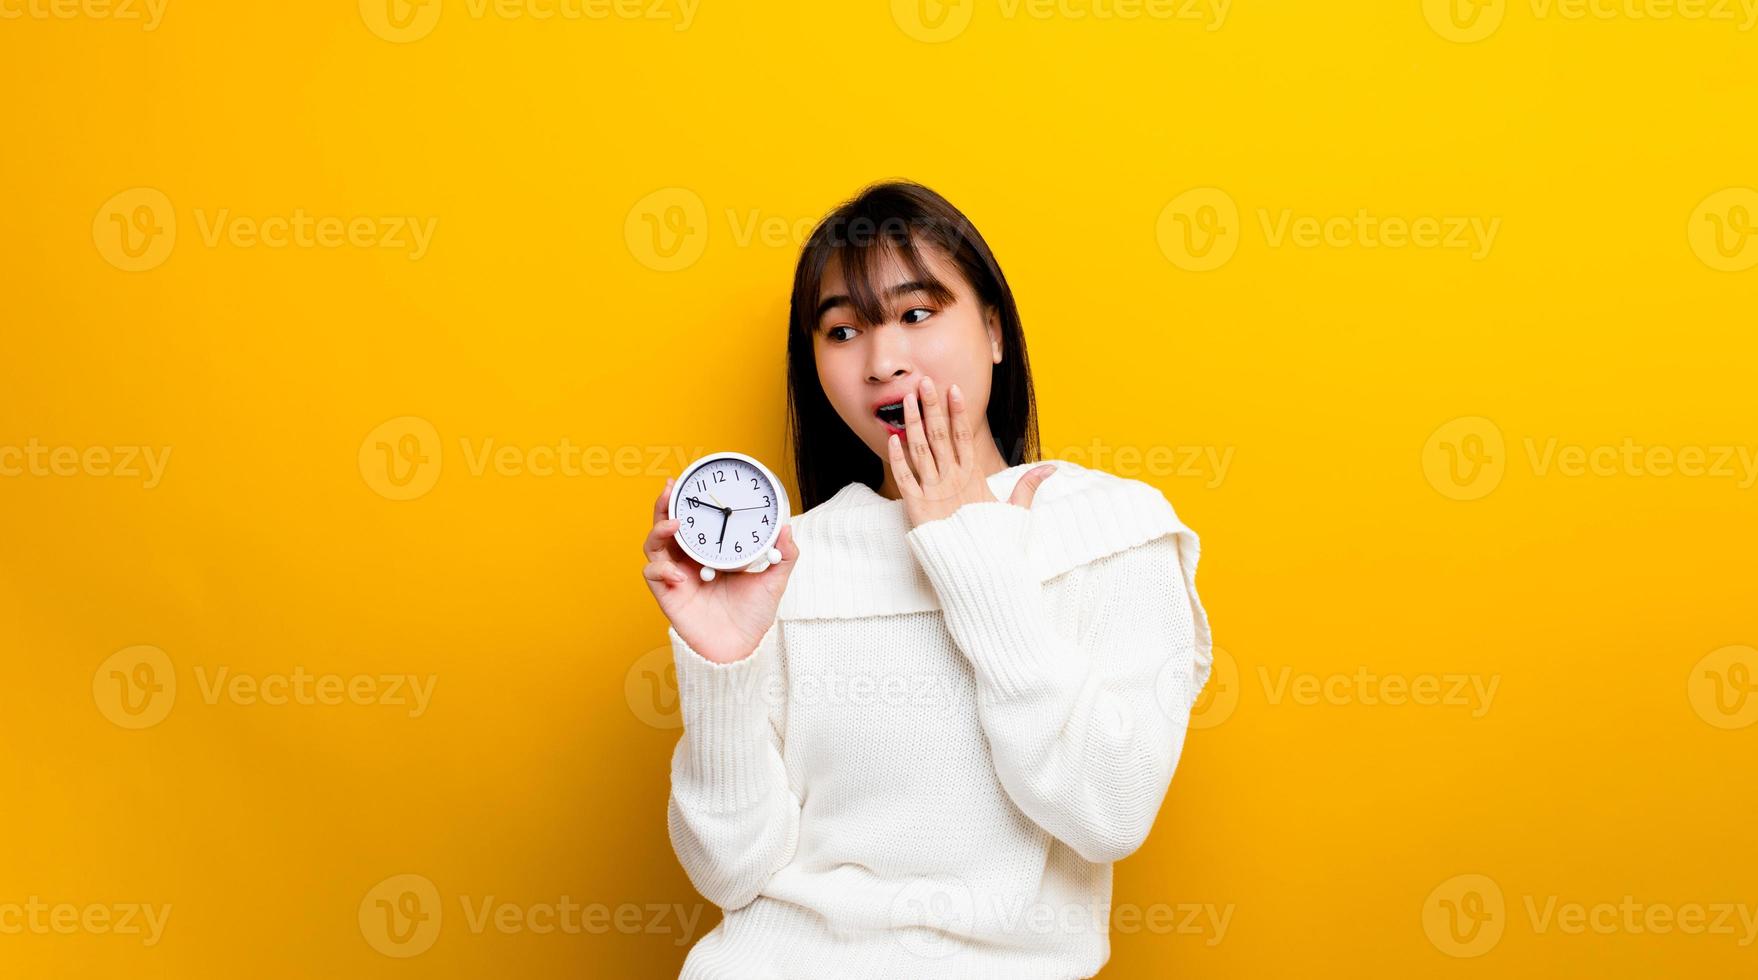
<point>928,385</point>
<point>953,392</point>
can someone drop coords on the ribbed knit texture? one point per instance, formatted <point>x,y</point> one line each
<point>935,754</point>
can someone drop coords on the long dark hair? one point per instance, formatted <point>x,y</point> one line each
<point>884,219</point>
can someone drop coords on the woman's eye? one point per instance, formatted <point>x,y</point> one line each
<point>831,333</point>
<point>923,310</point>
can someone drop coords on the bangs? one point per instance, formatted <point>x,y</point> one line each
<point>866,262</point>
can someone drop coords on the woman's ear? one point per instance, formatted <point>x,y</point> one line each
<point>992,321</point>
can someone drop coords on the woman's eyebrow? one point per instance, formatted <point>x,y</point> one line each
<point>913,286</point>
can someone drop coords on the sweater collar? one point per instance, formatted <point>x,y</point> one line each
<point>855,557</point>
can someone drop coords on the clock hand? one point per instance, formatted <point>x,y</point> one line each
<point>705,503</point>
<point>725,516</point>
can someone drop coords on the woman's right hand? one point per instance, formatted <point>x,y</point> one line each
<point>722,620</point>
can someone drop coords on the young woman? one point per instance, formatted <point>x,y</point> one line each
<point>915,746</point>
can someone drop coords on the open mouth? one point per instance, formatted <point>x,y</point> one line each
<point>892,416</point>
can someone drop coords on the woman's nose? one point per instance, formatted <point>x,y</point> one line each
<point>887,356</point>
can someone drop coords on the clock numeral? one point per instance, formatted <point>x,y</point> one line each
<point>719,476</point>
<point>738,547</point>
<point>754,536</point>
<point>754,485</point>
<point>701,539</point>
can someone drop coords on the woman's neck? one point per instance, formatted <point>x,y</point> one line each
<point>989,462</point>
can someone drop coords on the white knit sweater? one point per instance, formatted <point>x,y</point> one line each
<point>933,757</point>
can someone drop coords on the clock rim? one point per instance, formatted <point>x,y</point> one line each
<point>783,504</point>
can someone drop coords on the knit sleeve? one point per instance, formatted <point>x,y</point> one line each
<point>733,819</point>
<point>1086,719</point>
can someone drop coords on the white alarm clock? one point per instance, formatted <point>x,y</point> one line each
<point>729,510</point>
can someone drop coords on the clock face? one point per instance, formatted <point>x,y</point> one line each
<point>728,509</point>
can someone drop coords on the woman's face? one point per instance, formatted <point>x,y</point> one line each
<point>865,365</point>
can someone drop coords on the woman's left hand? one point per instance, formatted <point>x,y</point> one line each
<point>938,474</point>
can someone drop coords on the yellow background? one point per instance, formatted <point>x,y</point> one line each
<point>544,311</point>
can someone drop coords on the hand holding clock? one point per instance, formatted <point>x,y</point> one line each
<point>723,619</point>
<point>939,475</point>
